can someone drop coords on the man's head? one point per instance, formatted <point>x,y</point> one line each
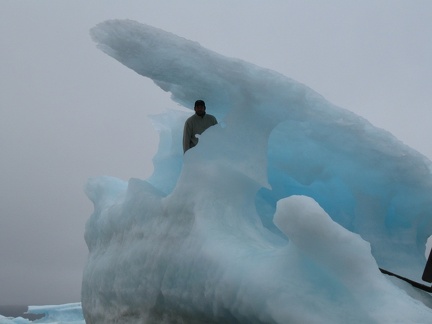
<point>200,108</point>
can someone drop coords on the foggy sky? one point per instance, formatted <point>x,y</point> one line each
<point>70,112</point>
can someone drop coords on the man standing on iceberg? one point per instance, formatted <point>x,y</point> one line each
<point>196,125</point>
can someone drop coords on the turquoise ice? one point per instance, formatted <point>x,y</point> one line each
<point>283,213</point>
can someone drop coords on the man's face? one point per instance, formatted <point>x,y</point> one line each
<point>200,110</point>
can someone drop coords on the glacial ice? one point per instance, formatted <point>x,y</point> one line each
<point>283,213</point>
<point>53,314</point>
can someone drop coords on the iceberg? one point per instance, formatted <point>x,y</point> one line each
<point>283,213</point>
<point>55,314</point>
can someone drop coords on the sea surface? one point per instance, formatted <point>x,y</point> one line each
<point>18,311</point>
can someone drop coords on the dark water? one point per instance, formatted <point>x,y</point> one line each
<point>18,310</point>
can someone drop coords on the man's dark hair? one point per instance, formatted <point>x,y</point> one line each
<point>199,103</point>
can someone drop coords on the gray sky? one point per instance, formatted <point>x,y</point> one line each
<point>70,112</point>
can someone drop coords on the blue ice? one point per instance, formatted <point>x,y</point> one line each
<point>53,314</point>
<point>283,213</point>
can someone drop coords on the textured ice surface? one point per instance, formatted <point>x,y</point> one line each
<point>282,213</point>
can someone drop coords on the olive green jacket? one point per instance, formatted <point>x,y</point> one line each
<point>196,125</point>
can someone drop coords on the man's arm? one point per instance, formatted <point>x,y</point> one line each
<point>187,133</point>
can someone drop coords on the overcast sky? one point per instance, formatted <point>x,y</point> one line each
<point>70,112</point>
